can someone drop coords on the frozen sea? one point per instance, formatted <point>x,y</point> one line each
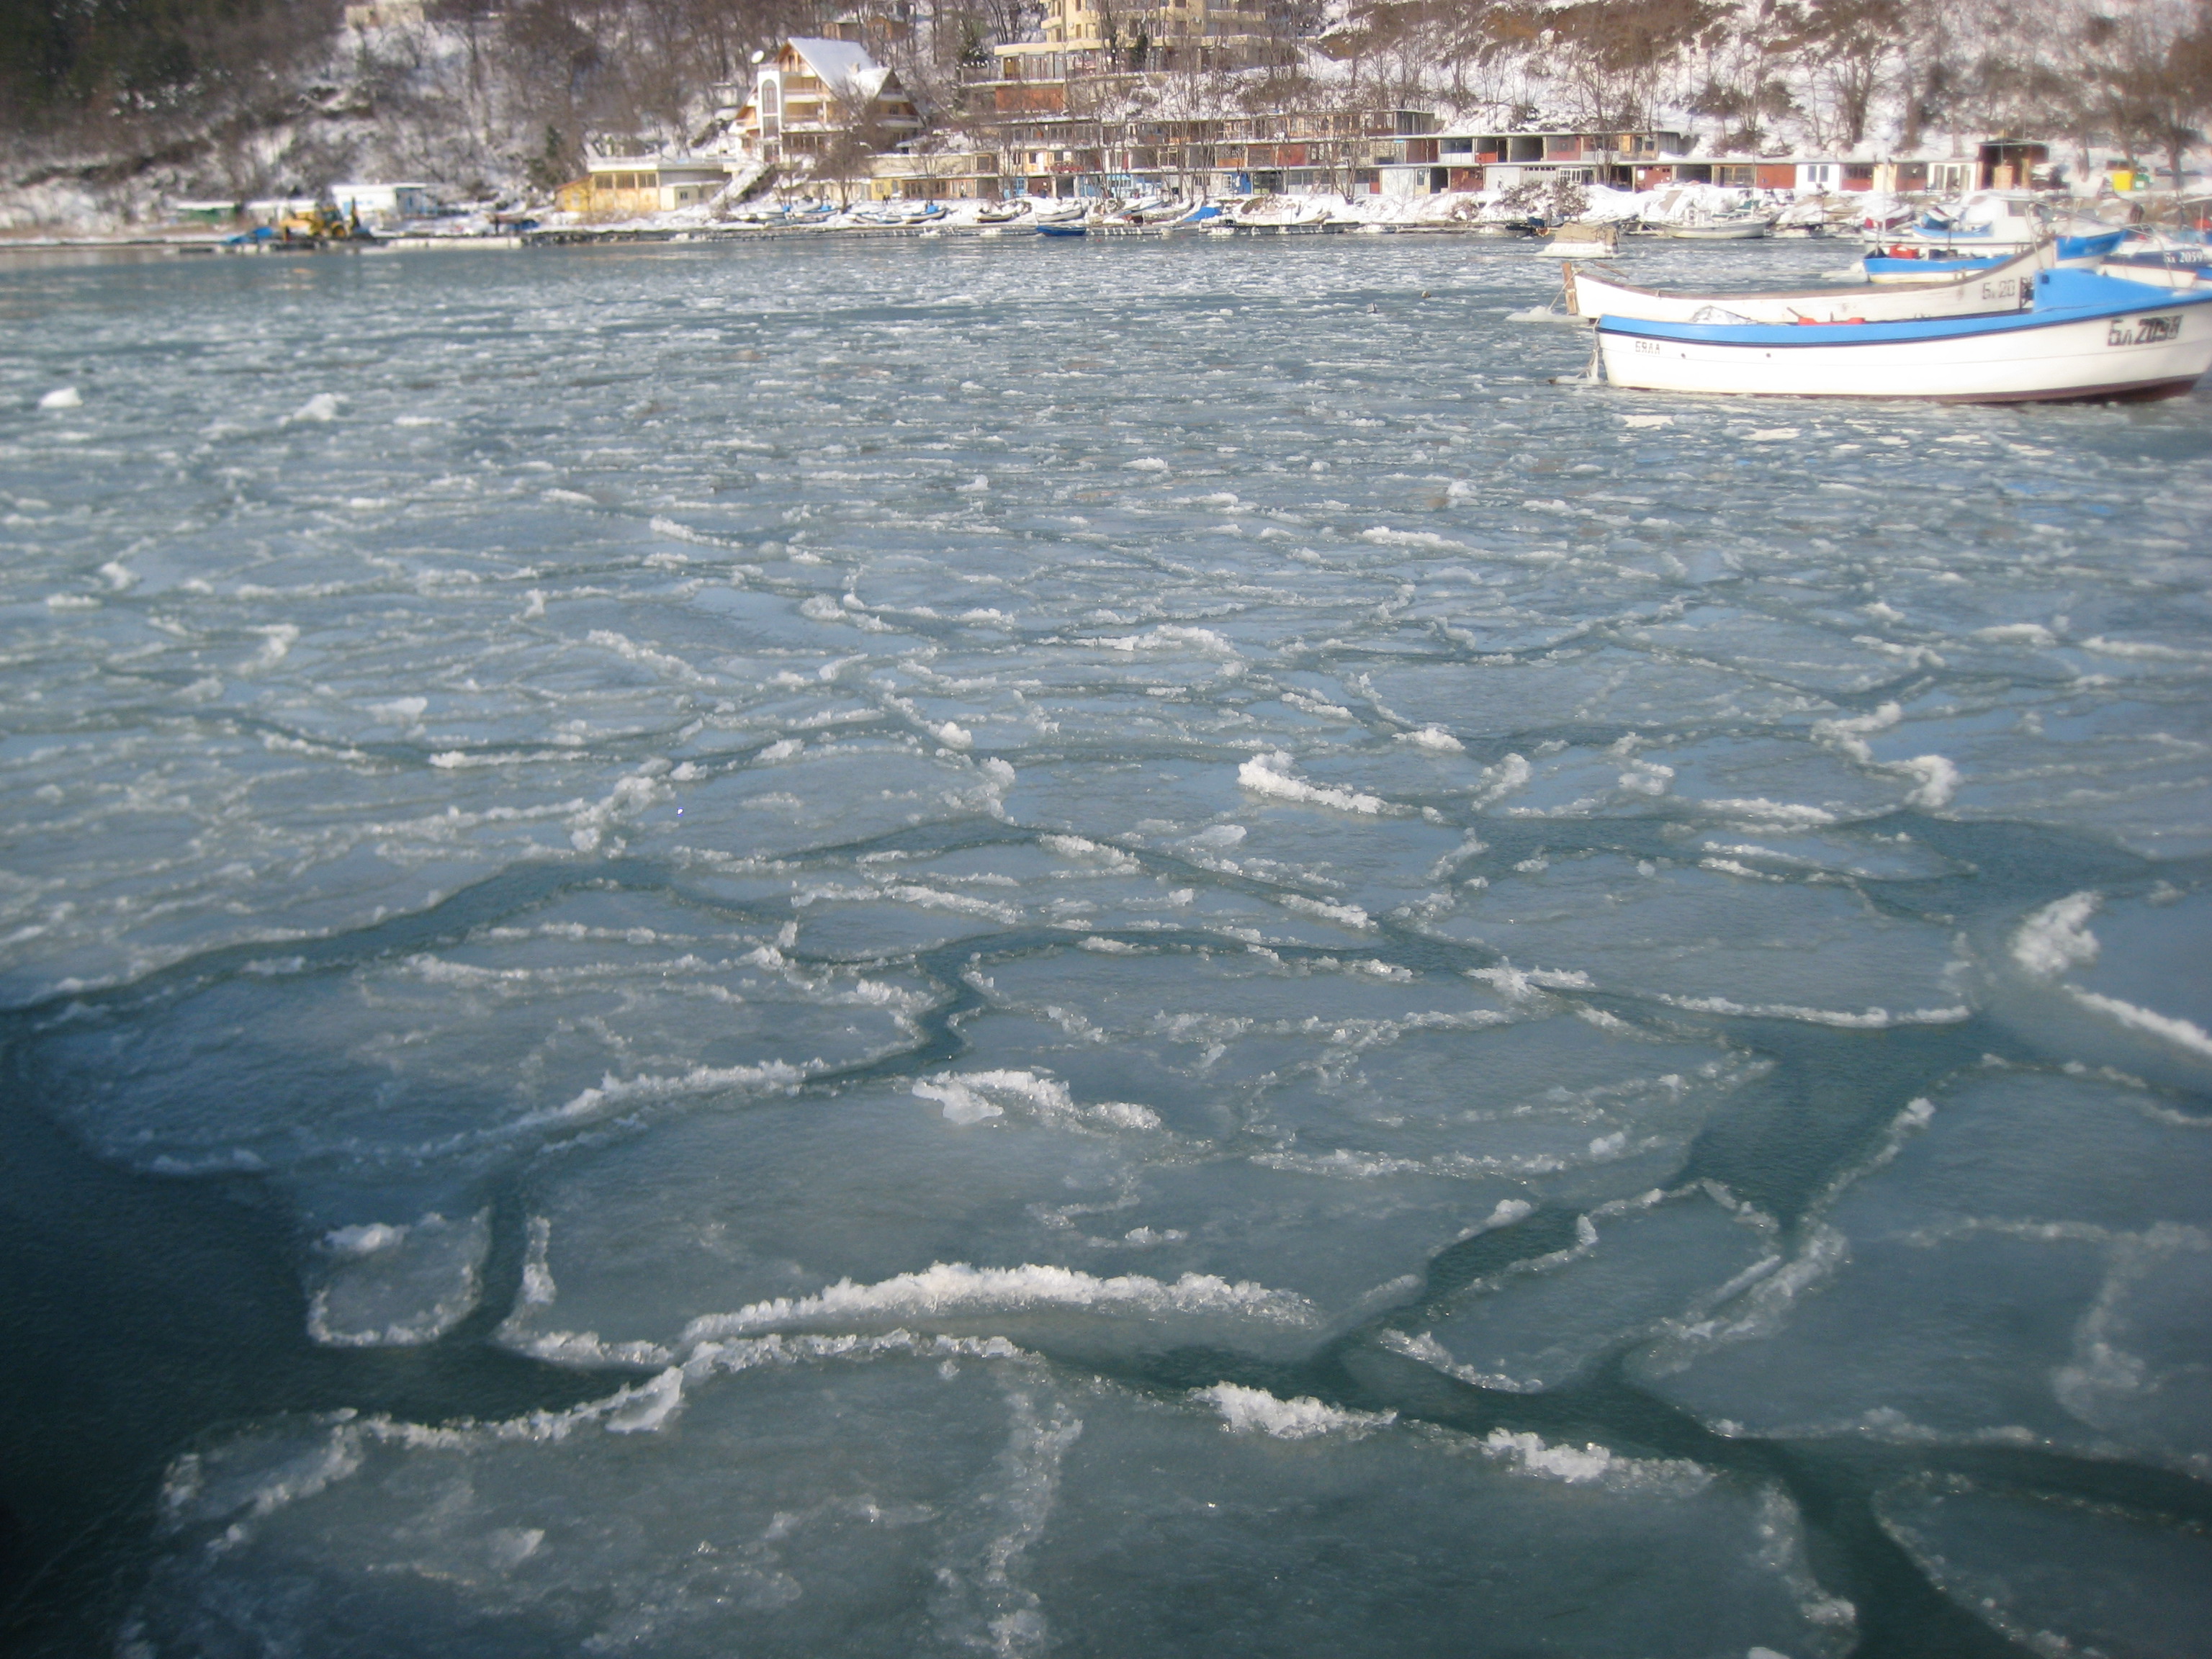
<point>940,946</point>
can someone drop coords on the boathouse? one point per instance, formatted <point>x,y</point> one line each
<point>627,184</point>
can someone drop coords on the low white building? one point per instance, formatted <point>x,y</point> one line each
<point>385,204</point>
<point>384,15</point>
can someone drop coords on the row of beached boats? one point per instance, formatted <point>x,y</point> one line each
<point>2047,323</point>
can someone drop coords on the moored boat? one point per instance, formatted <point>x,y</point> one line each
<point>2161,260</point>
<point>2006,285</point>
<point>1721,230</point>
<point>1887,268</point>
<point>1903,262</point>
<point>2085,338</point>
<point>1582,241</point>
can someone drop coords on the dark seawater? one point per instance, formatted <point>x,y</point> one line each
<point>1125,949</point>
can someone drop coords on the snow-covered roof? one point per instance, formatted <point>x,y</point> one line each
<point>839,64</point>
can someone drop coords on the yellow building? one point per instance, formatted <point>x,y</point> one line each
<point>625,185</point>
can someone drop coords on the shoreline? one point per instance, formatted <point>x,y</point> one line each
<point>580,236</point>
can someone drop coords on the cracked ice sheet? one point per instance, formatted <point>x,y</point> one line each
<point>990,1201</point>
<point>377,1097</point>
<point>1351,1066</point>
<point>2030,1263</point>
<point>2059,1578</point>
<point>900,1495</point>
<point>1582,684</point>
<point>1256,1197</point>
<point>2085,760</point>
<point>597,1005</point>
<point>1718,941</point>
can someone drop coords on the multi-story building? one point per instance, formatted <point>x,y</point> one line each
<point>1068,153</point>
<point>1469,160</point>
<point>1086,38</point>
<point>814,95</point>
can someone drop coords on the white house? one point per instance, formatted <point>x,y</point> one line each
<point>813,90</point>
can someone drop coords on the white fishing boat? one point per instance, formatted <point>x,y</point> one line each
<point>2163,260</point>
<point>2085,338</point>
<point>2006,286</point>
<point>1994,224</point>
<point>1721,230</point>
<point>2185,278</point>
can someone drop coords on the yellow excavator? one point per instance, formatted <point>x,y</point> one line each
<point>322,222</point>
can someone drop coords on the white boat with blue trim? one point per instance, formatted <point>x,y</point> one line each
<point>2084,337</point>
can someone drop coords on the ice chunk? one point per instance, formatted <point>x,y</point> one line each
<point>2056,938</point>
<point>2027,1262</point>
<point>1707,940</point>
<point>1637,1265</point>
<point>2132,991</point>
<point>1270,774</point>
<point>386,1285</point>
<point>2059,1578</point>
<point>1951,1339</point>
<point>1255,1411</point>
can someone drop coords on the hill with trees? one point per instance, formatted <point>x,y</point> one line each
<point>110,104</point>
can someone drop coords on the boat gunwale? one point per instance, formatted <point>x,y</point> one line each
<point>1844,290</point>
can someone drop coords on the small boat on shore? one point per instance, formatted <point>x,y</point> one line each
<point>1582,241</point>
<point>2085,338</point>
<point>2006,285</point>
<point>1720,230</point>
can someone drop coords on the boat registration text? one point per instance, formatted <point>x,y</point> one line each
<point>2143,330</point>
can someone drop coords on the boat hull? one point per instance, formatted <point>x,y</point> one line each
<point>2152,351</point>
<point>1717,232</point>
